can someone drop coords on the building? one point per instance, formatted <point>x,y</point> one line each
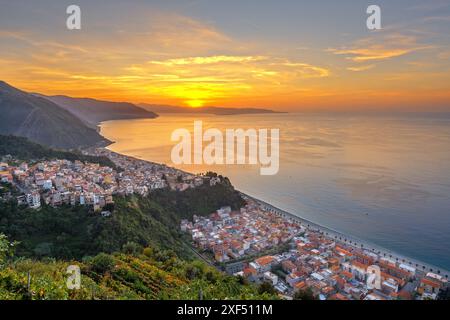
<point>34,200</point>
<point>264,263</point>
<point>270,277</point>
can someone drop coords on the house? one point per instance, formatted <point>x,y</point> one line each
<point>3,166</point>
<point>359,270</point>
<point>299,286</point>
<point>288,266</point>
<point>270,277</point>
<point>34,200</point>
<point>5,177</point>
<point>390,285</point>
<point>264,263</point>
<point>250,273</point>
<point>294,278</point>
<point>429,285</point>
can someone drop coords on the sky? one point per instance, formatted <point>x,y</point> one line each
<point>287,55</point>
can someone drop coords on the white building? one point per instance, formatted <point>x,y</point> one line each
<point>272,278</point>
<point>34,200</point>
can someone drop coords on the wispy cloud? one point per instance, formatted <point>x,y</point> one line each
<point>361,68</point>
<point>208,60</point>
<point>386,47</point>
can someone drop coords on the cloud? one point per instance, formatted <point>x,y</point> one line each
<point>203,79</point>
<point>361,68</point>
<point>382,48</point>
<point>372,53</point>
<point>169,59</point>
<point>208,60</point>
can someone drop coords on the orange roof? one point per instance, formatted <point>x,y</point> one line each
<point>264,260</point>
<point>385,275</point>
<point>333,260</point>
<point>327,289</point>
<point>249,271</point>
<point>300,285</point>
<point>431,282</point>
<point>360,265</point>
<point>334,268</point>
<point>343,251</point>
<point>338,296</point>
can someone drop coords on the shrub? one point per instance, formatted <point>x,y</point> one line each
<point>102,263</point>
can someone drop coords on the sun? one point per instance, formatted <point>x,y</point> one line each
<point>195,103</point>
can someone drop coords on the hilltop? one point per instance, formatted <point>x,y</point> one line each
<point>204,110</point>
<point>23,149</point>
<point>42,121</point>
<point>93,111</point>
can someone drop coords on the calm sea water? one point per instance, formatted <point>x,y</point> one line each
<point>384,179</point>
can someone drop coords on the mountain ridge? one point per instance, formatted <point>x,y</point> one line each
<point>204,110</point>
<point>93,111</point>
<point>43,121</point>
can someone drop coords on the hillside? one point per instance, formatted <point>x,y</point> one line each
<point>204,110</point>
<point>92,111</point>
<point>23,149</point>
<point>42,121</point>
<point>136,253</point>
<point>71,232</point>
<point>133,274</point>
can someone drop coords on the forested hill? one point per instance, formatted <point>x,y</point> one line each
<point>138,252</point>
<point>71,232</point>
<point>23,149</point>
<point>134,273</point>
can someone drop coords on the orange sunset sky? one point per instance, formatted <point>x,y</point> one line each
<point>283,55</point>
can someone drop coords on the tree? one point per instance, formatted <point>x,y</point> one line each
<point>6,248</point>
<point>102,263</point>
<point>266,287</point>
<point>148,252</point>
<point>131,248</point>
<point>305,294</point>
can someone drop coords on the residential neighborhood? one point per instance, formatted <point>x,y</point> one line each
<point>58,182</point>
<point>327,268</point>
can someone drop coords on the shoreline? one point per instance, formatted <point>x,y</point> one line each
<point>352,240</point>
<point>334,234</point>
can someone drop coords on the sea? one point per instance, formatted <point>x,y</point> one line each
<point>382,178</point>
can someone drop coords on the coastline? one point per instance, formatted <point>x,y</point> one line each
<point>339,237</point>
<point>353,241</point>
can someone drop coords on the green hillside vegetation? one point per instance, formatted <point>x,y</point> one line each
<point>148,274</point>
<point>23,149</point>
<point>138,252</point>
<point>73,232</point>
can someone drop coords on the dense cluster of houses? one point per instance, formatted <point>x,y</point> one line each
<point>315,262</point>
<point>233,234</point>
<point>59,182</point>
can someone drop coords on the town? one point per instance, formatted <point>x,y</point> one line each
<point>256,242</point>
<point>327,268</point>
<point>63,182</point>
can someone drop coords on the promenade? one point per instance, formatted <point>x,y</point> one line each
<point>339,237</point>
